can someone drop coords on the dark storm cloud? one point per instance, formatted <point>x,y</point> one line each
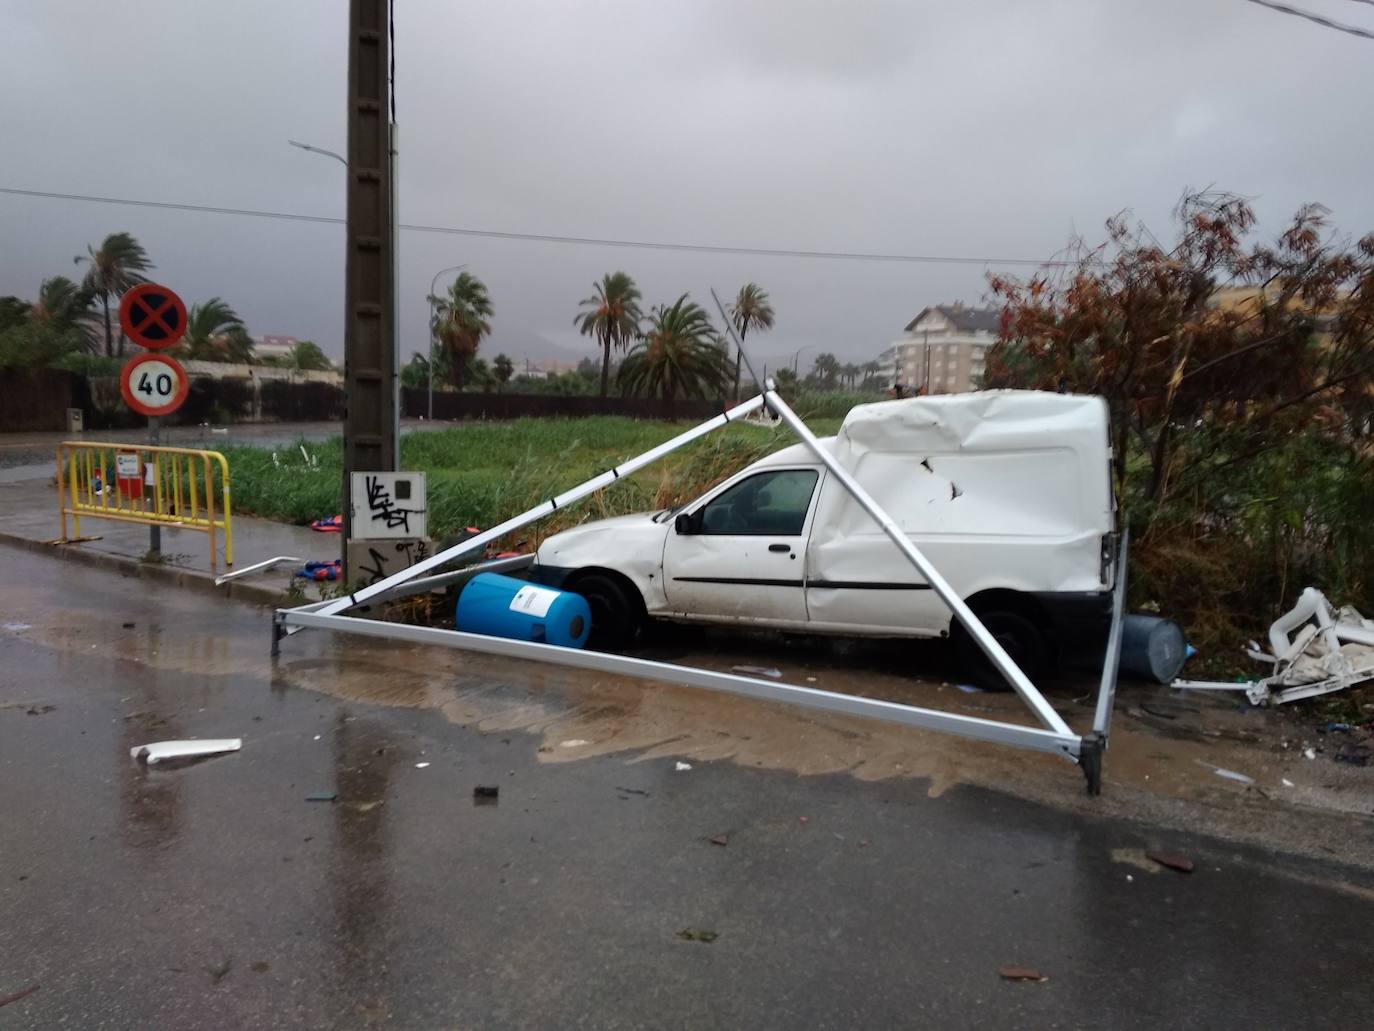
<point>992,128</point>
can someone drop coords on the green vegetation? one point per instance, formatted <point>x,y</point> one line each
<point>1240,381</point>
<point>481,473</point>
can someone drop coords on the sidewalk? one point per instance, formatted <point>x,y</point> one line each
<point>29,519</point>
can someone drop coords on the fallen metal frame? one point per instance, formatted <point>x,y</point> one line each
<point>1054,735</point>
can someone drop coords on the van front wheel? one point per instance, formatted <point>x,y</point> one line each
<point>616,618</point>
<point>1018,636</point>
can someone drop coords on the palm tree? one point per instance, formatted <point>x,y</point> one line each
<point>869,369</point>
<point>503,368</point>
<point>825,368</point>
<point>751,310</point>
<point>205,325</point>
<point>850,372</point>
<point>115,267</point>
<point>306,355</point>
<point>678,356</point>
<point>612,316</point>
<point>238,346</point>
<point>62,305</point>
<point>460,321</point>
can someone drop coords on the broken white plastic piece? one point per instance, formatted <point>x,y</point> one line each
<point>159,750</point>
<point>683,766</point>
<point>1316,650</point>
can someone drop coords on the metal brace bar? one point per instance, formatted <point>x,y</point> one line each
<point>246,570</point>
<point>545,508</point>
<point>1065,744</point>
<point>1111,664</point>
<point>1044,712</point>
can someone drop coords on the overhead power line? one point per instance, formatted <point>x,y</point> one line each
<point>767,252</point>
<point>1353,30</point>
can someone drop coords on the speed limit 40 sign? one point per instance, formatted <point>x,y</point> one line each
<point>153,384</point>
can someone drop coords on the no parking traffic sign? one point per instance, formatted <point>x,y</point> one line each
<point>153,384</point>
<point>152,316</point>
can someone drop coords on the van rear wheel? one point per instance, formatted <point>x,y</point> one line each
<point>1018,636</point>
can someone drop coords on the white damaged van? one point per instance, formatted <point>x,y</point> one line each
<point>1008,493</point>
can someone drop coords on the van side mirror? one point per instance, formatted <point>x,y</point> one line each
<point>684,523</point>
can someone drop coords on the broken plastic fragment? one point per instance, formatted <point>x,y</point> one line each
<point>762,671</point>
<point>160,750</point>
<point>1228,774</point>
<point>1174,862</point>
<point>1021,974</point>
<point>421,766</point>
<point>696,934</point>
<point>683,766</point>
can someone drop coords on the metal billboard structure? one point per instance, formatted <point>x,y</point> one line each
<point>1053,734</point>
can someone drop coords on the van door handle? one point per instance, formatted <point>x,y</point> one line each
<point>779,547</point>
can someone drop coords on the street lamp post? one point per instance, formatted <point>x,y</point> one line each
<point>320,150</point>
<point>798,355</point>
<point>434,285</point>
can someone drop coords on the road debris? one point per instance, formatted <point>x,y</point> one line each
<point>486,794</point>
<point>322,796</point>
<point>1288,783</point>
<point>696,934</point>
<point>421,766</point>
<point>1173,861</point>
<point>682,767</point>
<point>23,993</point>
<point>192,749</point>
<point>1309,753</point>
<point>969,688</point>
<point>1220,771</point>
<point>720,839</point>
<point>573,742</point>
<point>1020,974</point>
<point>762,671</point>
<point>1314,650</point>
<point>40,710</point>
<point>803,820</point>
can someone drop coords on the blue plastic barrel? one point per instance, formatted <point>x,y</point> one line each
<point>1152,647</point>
<point>503,606</point>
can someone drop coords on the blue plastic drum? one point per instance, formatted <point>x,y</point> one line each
<point>502,606</point>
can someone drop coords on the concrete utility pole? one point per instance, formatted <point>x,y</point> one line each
<point>369,293</point>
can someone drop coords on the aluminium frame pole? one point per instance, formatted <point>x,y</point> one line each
<point>1066,744</point>
<point>545,508</point>
<point>1044,712</point>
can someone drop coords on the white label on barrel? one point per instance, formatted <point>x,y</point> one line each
<point>126,465</point>
<point>533,601</point>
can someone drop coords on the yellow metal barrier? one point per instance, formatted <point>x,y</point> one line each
<point>176,487</point>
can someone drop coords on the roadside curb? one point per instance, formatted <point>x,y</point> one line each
<point>252,594</point>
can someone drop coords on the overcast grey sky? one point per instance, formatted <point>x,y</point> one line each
<point>989,127</point>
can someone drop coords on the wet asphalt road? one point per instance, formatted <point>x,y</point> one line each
<point>215,895</point>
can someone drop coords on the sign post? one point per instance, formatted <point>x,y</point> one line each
<point>153,384</point>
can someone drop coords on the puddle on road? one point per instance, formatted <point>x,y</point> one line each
<point>642,720</point>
